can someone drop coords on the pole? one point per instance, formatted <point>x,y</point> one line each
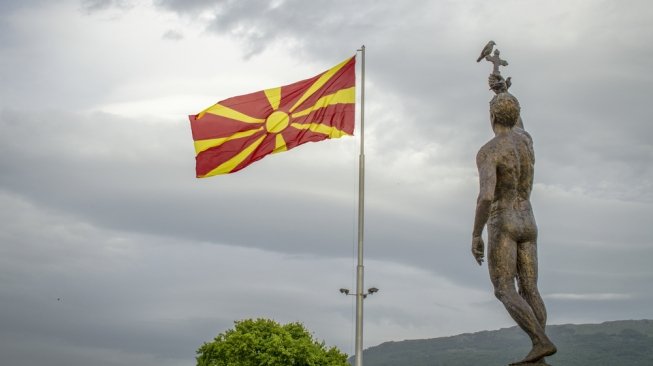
<point>361,216</point>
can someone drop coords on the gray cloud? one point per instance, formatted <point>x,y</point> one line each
<point>92,6</point>
<point>173,35</point>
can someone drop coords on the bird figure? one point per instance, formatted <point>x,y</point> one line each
<point>486,50</point>
<point>508,82</point>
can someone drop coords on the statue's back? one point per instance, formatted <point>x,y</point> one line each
<point>526,162</point>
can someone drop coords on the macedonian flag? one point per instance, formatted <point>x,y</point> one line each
<point>238,131</point>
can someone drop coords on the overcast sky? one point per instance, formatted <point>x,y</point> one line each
<point>113,253</point>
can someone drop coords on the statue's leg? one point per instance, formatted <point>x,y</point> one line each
<point>502,263</point>
<point>527,276</point>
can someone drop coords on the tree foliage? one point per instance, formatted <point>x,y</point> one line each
<point>264,342</point>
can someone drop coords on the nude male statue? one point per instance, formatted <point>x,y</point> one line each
<point>505,166</point>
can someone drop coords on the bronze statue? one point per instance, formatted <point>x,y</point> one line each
<point>505,166</point>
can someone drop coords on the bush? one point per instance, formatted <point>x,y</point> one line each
<point>264,342</point>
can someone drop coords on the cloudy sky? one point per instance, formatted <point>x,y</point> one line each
<point>113,253</point>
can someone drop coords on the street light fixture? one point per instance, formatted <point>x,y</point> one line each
<point>370,291</point>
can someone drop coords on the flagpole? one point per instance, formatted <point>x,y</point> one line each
<point>360,296</point>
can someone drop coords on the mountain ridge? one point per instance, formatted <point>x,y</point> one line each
<point>611,343</point>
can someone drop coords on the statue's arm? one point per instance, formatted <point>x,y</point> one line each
<point>487,176</point>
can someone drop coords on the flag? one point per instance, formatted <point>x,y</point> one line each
<point>238,131</point>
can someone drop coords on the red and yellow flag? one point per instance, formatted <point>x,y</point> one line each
<point>238,131</point>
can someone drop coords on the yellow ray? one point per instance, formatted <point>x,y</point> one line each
<point>230,164</point>
<point>341,96</point>
<point>220,110</point>
<point>274,97</point>
<point>319,83</point>
<point>279,144</point>
<point>202,145</point>
<point>332,132</point>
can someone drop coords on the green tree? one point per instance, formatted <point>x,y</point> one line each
<point>264,342</point>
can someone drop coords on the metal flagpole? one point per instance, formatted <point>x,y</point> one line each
<point>361,201</point>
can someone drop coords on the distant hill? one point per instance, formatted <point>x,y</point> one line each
<point>616,343</point>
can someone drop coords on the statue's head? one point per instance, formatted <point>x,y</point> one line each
<point>504,110</point>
